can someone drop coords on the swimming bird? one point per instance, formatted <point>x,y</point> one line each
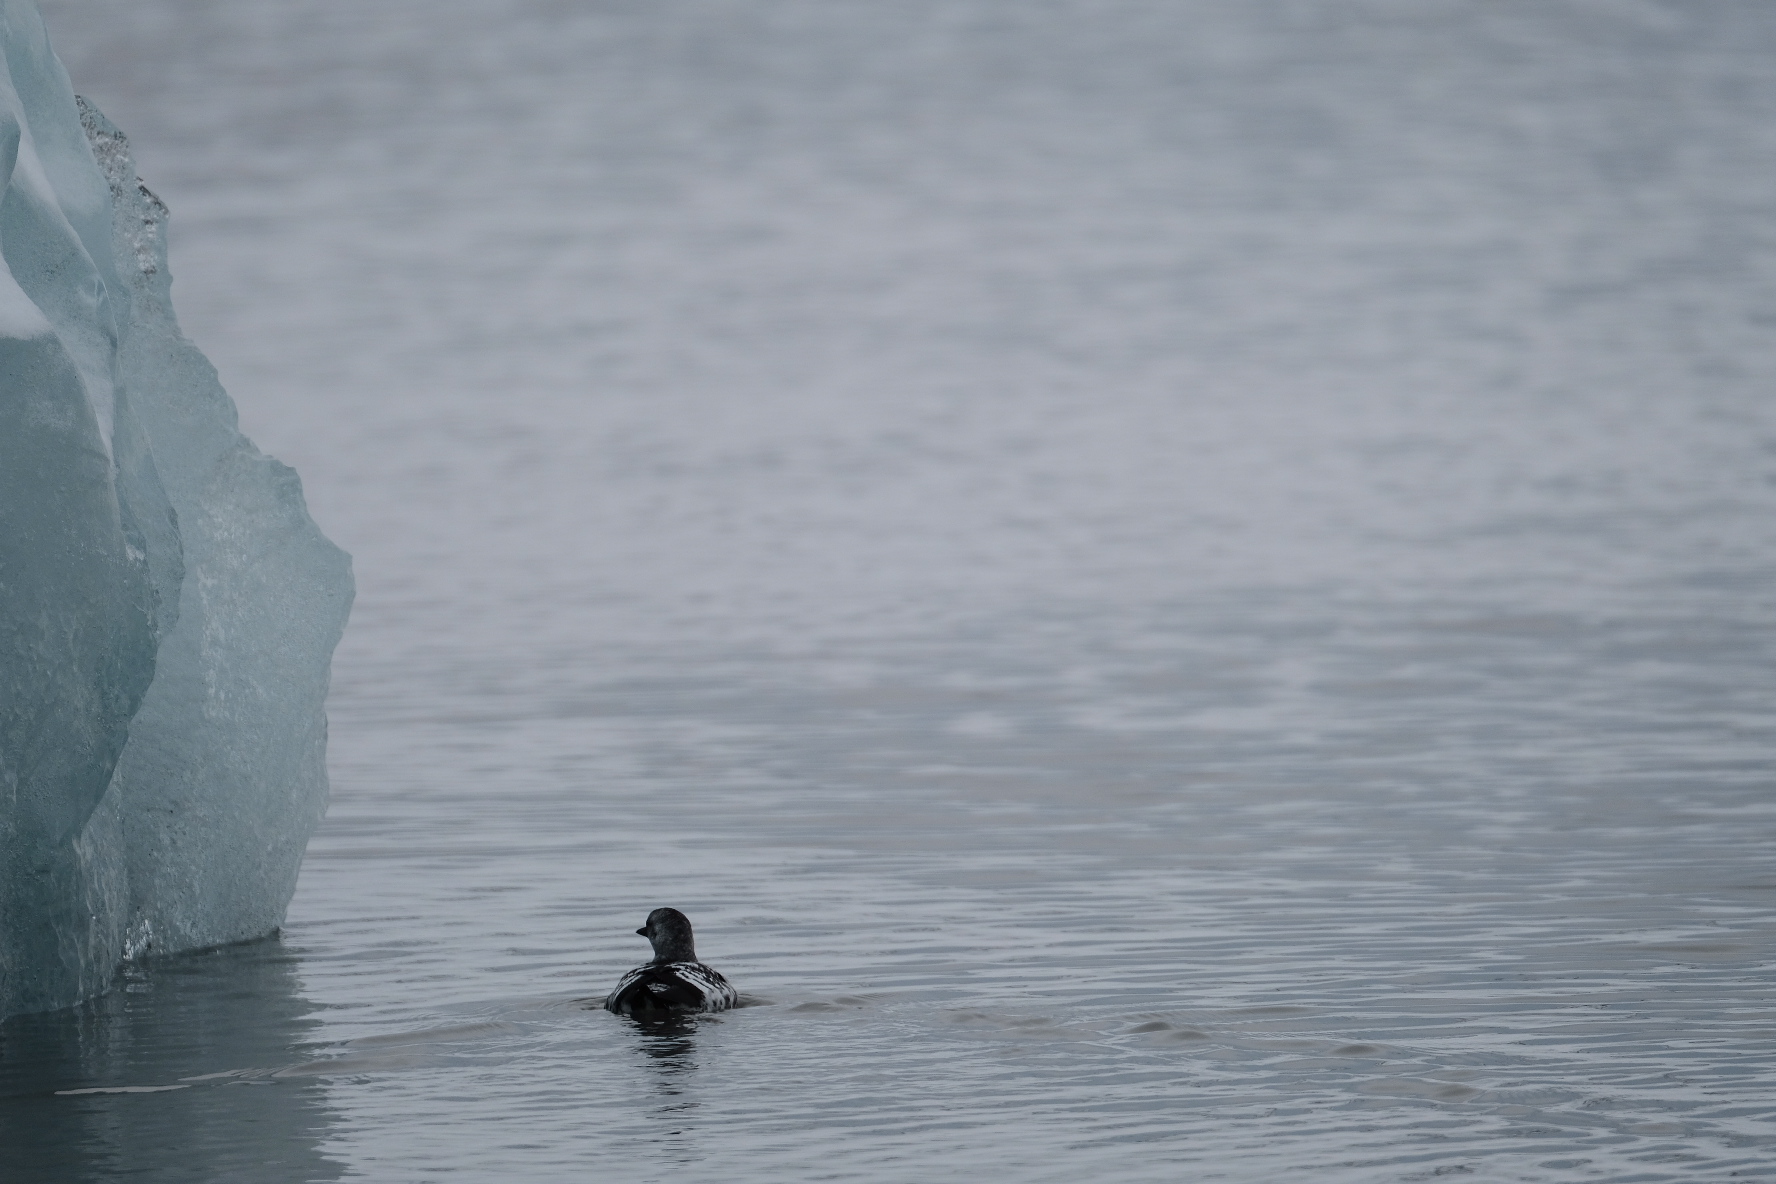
<point>674,981</point>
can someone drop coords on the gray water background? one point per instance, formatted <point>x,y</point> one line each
<point>1185,589</point>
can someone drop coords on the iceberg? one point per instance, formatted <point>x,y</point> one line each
<point>168,610</point>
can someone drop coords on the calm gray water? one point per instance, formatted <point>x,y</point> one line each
<point>1185,590</point>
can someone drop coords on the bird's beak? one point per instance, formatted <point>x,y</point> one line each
<point>643,931</point>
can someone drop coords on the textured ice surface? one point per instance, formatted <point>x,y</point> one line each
<point>168,610</point>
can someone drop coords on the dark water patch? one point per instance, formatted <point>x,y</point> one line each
<point>454,1034</point>
<point>1405,1087</point>
<point>158,1080</point>
<point>1275,1009</point>
<point>1722,949</point>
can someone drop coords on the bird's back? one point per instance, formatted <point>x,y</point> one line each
<point>671,986</point>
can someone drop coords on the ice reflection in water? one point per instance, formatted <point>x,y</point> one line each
<point>160,1080</point>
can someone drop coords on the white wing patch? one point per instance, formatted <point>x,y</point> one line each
<point>718,995</point>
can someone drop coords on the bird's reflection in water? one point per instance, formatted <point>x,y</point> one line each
<point>669,1047</point>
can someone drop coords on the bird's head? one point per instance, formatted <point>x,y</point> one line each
<point>670,932</point>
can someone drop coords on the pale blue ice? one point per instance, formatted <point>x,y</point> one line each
<point>169,608</point>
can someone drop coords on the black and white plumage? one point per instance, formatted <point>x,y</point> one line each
<point>674,981</point>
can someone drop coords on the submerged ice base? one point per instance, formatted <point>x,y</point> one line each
<point>168,610</point>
